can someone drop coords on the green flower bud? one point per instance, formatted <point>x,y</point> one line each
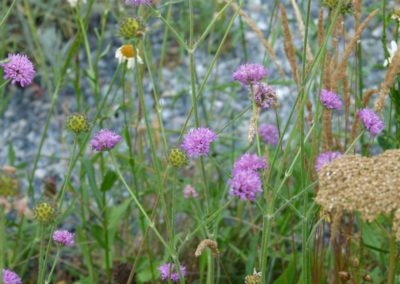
<point>44,212</point>
<point>131,28</point>
<point>177,158</point>
<point>332,4</point>
<point>78,123</point>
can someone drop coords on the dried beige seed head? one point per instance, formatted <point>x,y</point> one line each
<point>366,185</point>
<point>211,244</point>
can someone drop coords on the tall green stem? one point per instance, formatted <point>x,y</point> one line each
<point>2,241</point>
<point>392,259</point>
<point>53,266</point>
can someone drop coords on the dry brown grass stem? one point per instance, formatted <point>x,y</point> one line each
<point>350,46</point>
<point>289,48</point>
<point>327,136</point>
<point>357,4</point>
<point>367,96</point>
<point>253,125</point>
<point>347,102</point>
<point>390,78</point>
<point>253,26</point>
<point>321,29</point>
<point>328,72</point>
<point>300,24</point>
<point>211,244</point>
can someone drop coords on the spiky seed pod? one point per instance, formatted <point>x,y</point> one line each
<point>177,158</point>
<point>8,185</point>
<point>346,8</point>
<point>131,28</point>
<point>44,212</point>
<point>78,123</point>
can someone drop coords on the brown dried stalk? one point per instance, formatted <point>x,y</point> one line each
<point>350,46</point>
<point>289,48</point>
<point>211,244</point>
<point>367,96</point>
<point>390,78</point>
<point>252,25</point>
<point>253,125</point>
<point>328,72</point>
<point>327,135</point>
<point>357,4</point>
<point>321,30</point>
<point>347,101</point>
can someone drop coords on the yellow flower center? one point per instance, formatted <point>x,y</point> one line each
<point>128,50</point>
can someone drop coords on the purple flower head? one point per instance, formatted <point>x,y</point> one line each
<point>264,95</point>
<point>330,100</point>
<point>249,162</point>
<point>245,184</point>
<point>371,121</point>
<point>189,191</point>
<point>168,271</point>
<point>197,142</point>
<point>250,73</point>
<point>139,2</point>
<point>64,238</point>
<point>19,69</point>
<point>104,140</point>
<point>10,277</point>
<point>325,158</point>
<point>269,133</point>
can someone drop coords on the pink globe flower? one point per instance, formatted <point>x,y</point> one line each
<point>269,133</point>
<point>330,100</point>
<point>371,121</point>
<point>10,277</point>
<point>105,139</point>
<point>250,73</point>
<point>197,142</point>
<point>249,162</point>
<point>64,238</point>
<point>168,271</point>
<point>245,184</point>
<point>189,192</point>
<point>19,69</point>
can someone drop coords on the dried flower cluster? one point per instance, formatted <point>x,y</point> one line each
<point>366,185</point>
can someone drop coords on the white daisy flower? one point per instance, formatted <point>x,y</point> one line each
<point>392,51</point>
<point>128,53</point>
<point>73,3</point>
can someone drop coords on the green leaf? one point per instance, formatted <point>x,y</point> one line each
<point>108,181</point>
<point>89,170</point>
<point>11,154</point>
